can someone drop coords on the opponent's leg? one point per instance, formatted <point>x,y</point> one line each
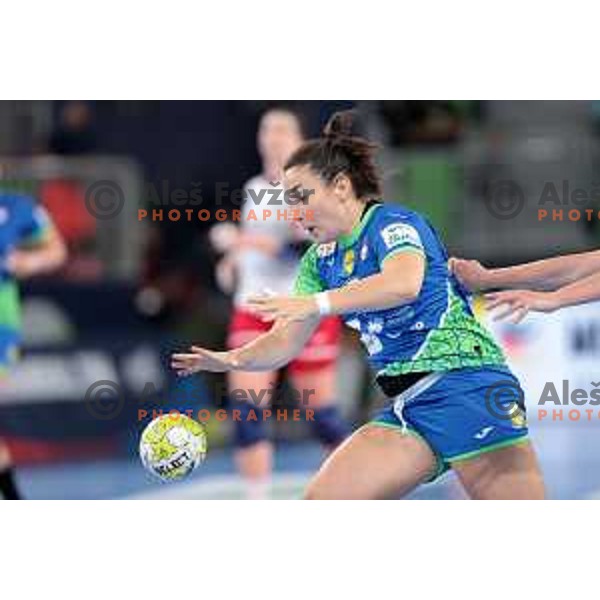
<point>313,375</point>
<point>507,474</point>
<point>316,388</point>
<point>374,462</point>
<point>254,452</point>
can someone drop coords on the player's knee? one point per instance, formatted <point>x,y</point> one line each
<point>313,491</point>
<point>328,426</point>
<point>250,428</point>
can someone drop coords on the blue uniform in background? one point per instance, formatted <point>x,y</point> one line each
<point>22,223</point>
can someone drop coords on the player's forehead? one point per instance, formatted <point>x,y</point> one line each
<point>300,176</point>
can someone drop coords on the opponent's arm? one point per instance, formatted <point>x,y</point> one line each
<point>515,304</point>
<point>548,274</point>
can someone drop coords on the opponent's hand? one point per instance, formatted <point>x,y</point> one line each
<point>471,273</point>
<point>201,359</point>
<point>291,308</point>
<point>515,304</point>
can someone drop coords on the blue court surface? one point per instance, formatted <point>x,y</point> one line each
<point>569,454</point>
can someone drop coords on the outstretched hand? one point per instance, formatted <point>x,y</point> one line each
<point>516,304</point>
<point>200,359</point>
<point>292,308</point>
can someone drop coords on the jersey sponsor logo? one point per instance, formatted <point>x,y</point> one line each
<point>398,234</point>
<point>324,250</point>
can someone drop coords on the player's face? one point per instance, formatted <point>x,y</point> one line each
<point>278,137</point>
<point>321,214</point>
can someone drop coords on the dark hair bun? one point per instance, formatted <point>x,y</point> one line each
<point>341,124</point>
<point>342,150</point>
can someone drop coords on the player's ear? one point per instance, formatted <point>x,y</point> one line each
<point>342,186</point>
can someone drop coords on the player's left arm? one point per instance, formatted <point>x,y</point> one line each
<point>398,283</point>
<point>402,262</point>
<point>41,249</point>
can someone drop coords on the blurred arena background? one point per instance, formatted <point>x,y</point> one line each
<point>133,290</point>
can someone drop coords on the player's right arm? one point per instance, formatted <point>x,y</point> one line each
<point>270,351</point>
<point>549,274</point>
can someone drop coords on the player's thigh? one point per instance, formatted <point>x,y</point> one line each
<point>510,473</point>
<point>315,387</point>
<point>374,462</point>
<point>259,382</point>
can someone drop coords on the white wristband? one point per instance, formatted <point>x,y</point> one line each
<point>323,303</point>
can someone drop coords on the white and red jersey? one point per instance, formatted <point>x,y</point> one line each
<point>257,270</point>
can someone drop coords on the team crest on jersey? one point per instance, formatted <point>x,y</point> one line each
<point>518,420</point>
<point>324,250</point>
<point>349,262</point>
<point>398,234</point>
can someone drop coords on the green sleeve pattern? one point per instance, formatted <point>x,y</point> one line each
<point>308,281</point>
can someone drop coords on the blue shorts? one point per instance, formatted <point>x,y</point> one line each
<point>460,414</point>
<point>10,340</point>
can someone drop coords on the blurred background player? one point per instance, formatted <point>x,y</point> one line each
<point>262,255</point>
<point>29,245</point>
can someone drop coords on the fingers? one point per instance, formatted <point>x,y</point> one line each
<point>264,307</point>
<point>513,305</point>
<point>498,298</point>
<point>190,362</point>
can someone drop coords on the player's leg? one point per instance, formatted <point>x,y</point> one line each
<point>313,376</point>
<point>8,486</point>
<point>253,450</point>
<point>475,418</point>
<point>509,473</point>
<point>374,462</point>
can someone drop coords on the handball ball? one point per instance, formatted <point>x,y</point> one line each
<point>172,446</point>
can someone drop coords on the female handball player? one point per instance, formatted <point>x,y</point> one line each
<point>549,284</point>
<point>263,254</point>
<point>384,269</point>
<point>29,245</point>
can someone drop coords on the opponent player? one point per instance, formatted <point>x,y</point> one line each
<point>29,245</point>
<point>385,270</point>
<point>552,284</point>
<point>264,252</point>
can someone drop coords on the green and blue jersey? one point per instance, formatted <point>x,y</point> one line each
<point>22,223</point>
<point>436,332</point>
